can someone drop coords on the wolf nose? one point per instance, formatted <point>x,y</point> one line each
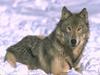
<point>73,42</point>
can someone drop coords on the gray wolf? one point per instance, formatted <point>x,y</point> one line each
<point>51,53</point>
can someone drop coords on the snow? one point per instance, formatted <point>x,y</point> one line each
<point>19,18</point>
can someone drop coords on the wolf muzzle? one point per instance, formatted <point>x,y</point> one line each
<point>73,42</point>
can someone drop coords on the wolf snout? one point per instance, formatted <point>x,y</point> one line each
<point>73,42</point>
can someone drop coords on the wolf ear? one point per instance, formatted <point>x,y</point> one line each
<point>84,13</point>
<point>65,13</point>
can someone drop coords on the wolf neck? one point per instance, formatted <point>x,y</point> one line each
<point>57,36</point>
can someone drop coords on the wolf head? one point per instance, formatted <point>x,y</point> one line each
<point>73,28</point>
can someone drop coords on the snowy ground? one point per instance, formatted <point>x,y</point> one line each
<point>19,18</point>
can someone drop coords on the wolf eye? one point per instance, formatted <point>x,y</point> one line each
<point>79,29</point>
<point>68,29</point>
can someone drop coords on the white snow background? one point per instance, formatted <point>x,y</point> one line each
<point>19,18</point>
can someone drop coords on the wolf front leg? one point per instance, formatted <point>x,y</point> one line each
<point>59,66</point>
